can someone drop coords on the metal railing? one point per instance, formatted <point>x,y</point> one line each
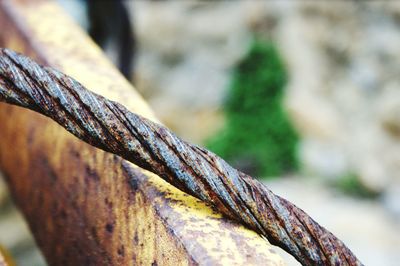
<point>82,206</point>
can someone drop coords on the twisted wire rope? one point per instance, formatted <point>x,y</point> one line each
<point>110,126</point>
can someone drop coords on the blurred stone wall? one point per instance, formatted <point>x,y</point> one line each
<point>343,60</point>
<point>344,94</point>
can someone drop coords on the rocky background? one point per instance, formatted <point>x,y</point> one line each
<point>343,98</point>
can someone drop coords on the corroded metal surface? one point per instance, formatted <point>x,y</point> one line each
<point>3,260</point>
<point>110,126</point>
<point>89,207</point>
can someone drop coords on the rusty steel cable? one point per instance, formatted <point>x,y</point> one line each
<point>110,126</point>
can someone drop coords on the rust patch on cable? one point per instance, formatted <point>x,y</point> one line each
<point>110,126</point>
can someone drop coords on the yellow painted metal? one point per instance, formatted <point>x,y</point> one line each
<point>83,205</point>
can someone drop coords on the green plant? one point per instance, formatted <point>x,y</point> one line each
<point>258,136</point>
<point>350,184</point>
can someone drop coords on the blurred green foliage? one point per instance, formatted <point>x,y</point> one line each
<point>351,185</point>
<point>258,137</point>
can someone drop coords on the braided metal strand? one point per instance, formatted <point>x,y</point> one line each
<point>200,173</point>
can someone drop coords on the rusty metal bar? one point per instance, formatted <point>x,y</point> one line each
<point>110,126</point>
<point>68,190</point>
<point>4,260</point>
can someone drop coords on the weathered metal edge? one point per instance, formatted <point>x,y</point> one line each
<point>193,225</point>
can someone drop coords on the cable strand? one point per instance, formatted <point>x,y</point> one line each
<point>112,127</point>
